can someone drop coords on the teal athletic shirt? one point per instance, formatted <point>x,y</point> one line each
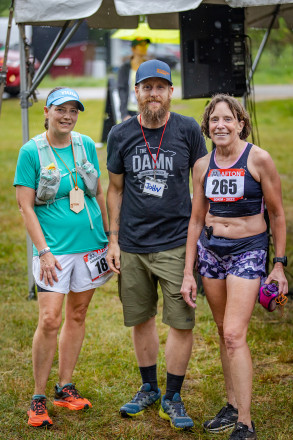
<point>65,231</point>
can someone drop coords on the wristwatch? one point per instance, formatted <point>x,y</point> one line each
<point>282,260</point>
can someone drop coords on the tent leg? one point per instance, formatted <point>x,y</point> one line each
<point>25,137</point>
<point>262,45</point>
<point>49,54</point>
<point>49,63</point>
<point>4,64</point>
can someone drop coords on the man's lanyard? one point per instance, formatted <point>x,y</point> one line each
<point>155,160</point>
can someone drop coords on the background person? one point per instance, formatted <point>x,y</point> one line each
<point>149,161</point>
<point>126,78</point>
<point>227,234</point>
<point>60,197</point>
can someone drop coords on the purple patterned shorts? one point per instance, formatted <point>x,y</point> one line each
<point>249,264</point>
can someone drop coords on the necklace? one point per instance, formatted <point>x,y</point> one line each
<point>76,195</point>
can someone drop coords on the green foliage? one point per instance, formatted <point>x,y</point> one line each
<point>278,41</point>
<point>275,65</point>
<point>273,71</point>
<point>73,81</point>
<point>4,8</point>
<point>106,371</point>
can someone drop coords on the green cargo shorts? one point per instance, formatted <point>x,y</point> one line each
<point>138,283</point>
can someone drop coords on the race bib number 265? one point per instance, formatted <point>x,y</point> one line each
<point>225,185</point>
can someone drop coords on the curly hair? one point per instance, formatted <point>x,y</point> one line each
<point>236,108</point>
<point>46,123</point>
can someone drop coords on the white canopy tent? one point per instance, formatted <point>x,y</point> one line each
<point>115,14</point>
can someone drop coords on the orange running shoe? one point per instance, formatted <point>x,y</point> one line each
<point>69,397</point>
<point>38,414</point>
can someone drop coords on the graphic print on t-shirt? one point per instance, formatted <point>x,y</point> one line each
<point>146,167</point>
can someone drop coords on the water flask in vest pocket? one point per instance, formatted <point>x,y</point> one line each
<point>89,176</point>
<point>267,295</point>
<point>48,185</point>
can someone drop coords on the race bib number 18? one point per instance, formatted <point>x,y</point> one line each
<point>96,263</point>
<point>225,185</point>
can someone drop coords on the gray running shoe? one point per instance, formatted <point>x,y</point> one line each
<point>143,398</point>
<point>223,421</point>
<point>241,432</point>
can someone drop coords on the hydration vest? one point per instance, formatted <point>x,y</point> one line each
<point>50,176</point>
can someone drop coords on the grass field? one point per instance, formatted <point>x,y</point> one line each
<point>106,372</point>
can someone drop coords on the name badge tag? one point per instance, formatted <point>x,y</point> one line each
<point>153,187</point>
<point>76,200</point>
<point>97,263</point>
<point>225,185</point>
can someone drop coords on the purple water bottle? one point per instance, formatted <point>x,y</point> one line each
<point>268,294</point>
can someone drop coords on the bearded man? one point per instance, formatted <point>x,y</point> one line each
<point>150,157</point>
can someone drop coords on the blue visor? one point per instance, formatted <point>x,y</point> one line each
<point>64,95</point>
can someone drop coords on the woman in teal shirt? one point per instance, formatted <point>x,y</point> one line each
<point>60,197</point>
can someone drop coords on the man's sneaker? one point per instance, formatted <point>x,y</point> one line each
<point>241,432</point>
<point>143,398</point>
<point>69,397</point>
<point>174,411</point>
<point>38,414</point>
<point>223,421</point>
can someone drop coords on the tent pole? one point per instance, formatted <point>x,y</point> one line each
<point>24,104</point>
<point>3,72</point>
<point>262,45</point>
<point>50,51</point>
<point>40,76</point>
<point>25,137</point>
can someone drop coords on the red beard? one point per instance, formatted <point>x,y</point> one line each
<point>154,116</point>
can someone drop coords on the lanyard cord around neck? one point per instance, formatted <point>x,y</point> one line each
<point>155,160</point>
<point>75,182</point>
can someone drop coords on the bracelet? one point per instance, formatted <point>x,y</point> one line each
<point>44,251</point>
<point>107,233</point>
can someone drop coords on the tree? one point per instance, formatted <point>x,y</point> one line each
<point>278,40</point>
<point>4,8</point>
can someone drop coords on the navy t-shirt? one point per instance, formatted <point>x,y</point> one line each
<point>148,223</point>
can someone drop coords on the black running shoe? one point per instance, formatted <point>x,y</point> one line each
<point>241,432</point>
<point>223,421</point>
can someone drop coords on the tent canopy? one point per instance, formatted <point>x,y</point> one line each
<point>114,14</point>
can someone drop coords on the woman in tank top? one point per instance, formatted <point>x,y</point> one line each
<point>228,241</point>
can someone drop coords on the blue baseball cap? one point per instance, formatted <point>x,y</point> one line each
<point>153,69</point>
<point>64,95</point>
